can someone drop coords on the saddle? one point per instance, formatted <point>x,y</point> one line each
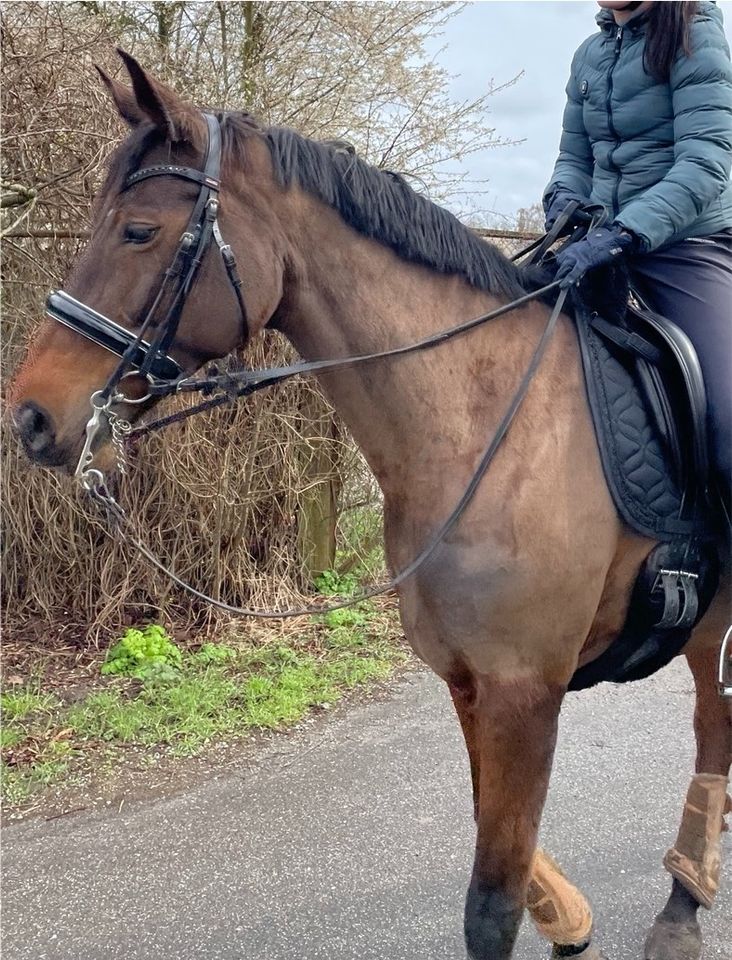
<point>646,392</point>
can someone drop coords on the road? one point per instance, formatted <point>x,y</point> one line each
<point>351,839</point>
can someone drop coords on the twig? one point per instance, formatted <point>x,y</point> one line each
<point>21,218</point>
<point>47,234</point>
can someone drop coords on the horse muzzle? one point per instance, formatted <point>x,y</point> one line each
<point>45,444</point>
<point>35,429</point>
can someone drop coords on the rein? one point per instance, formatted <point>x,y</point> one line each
<point>116,513</point>
<point>243,383</point>
<point>164,376</point>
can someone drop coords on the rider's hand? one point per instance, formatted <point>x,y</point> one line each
<point>555,204</point>
<point>585,213</point>
<point>600,246</point>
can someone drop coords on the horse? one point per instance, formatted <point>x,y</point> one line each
<point>536,578</point>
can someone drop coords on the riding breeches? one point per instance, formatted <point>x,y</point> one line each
<point>691,284</point>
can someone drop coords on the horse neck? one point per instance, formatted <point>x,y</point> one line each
<point>347,295</point>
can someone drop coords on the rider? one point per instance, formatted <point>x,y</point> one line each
<point>647,134</point>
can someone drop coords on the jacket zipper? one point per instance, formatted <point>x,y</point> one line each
<point>613,131</point>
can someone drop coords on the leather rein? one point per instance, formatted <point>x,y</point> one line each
<point>151,359</point>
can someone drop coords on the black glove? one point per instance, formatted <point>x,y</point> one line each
<point>601,246</point>
<point>555,205</point>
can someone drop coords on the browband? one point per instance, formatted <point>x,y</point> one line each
<point>187,173</point>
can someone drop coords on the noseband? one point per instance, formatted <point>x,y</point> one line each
<point>150,358</point>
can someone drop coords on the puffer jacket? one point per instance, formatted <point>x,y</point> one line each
<point>656,155</point>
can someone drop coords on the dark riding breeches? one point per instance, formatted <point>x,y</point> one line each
<point>691,284</point>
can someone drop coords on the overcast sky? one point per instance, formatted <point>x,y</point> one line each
<point>495,40</point>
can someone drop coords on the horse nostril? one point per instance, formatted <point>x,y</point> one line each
<point>34,427</point>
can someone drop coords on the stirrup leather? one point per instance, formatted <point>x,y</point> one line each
<point>680,598</point>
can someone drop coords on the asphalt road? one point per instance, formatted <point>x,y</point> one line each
<point>352,840</point>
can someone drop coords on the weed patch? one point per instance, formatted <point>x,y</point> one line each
<point>154,696</point>
<point>18,705</point>
<point>333,584</point>
<point>144,654</point>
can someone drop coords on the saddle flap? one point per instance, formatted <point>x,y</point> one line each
<point>680,381</point>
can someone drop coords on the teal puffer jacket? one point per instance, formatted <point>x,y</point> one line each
<point>656,155</point>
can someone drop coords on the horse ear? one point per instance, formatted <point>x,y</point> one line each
<point>124,99</point>
<point>171,115</point>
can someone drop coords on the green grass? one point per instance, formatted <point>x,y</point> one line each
<point>18,705</point>
<point>219,690</point>
<point>19,785</point>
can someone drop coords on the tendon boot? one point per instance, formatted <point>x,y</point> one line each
<point>695,858</point>
<point>558,909</point>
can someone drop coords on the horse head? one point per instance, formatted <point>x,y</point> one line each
<point>151,274</point>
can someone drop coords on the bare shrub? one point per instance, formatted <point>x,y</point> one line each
<point>221,496</point>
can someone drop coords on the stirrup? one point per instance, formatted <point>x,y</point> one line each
<point>724,677</point>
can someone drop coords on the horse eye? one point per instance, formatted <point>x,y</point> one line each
<point>138,234</point>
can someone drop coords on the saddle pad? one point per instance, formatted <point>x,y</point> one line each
<point>637,469</point>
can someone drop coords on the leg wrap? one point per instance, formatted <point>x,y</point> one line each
<point>558,909</point>
<point>695,859</point>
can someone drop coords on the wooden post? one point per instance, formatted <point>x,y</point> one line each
<point>318,503</point>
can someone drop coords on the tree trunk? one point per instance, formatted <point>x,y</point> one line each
<point>251,50</point>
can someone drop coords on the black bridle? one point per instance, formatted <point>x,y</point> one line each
<point>151,359</point>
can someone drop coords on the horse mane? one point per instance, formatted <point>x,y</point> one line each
<point>381,205</point>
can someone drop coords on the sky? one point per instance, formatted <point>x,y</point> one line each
<point>493,40</point>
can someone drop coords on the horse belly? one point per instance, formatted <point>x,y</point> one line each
<point>494,599</point>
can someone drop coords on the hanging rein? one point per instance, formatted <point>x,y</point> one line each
<point>151,360</point>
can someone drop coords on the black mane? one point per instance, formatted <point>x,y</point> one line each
<point>381,205</point>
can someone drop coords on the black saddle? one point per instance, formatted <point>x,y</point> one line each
<point>646,392</point>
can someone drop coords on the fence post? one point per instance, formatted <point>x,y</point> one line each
<point>318,503</point>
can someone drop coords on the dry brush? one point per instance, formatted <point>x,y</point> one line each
<point>230,499</point>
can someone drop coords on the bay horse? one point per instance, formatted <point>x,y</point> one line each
<point>535,579</point>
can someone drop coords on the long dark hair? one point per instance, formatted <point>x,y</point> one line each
<point>666,34</point>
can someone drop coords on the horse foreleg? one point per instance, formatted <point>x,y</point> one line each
<point>515,728</point>
<point>694,860</point>
<point>463,695</point>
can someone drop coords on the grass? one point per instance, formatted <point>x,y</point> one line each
<point>219,690</point>
<point>21,704</point>
<point>35,751</point>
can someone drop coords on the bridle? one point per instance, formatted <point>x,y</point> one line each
<point>151,359</point>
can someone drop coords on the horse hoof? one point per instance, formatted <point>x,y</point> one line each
<point>590,952</point>
<point>673,941</point>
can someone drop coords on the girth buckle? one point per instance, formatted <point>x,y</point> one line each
<point>724,677</point>
<point>680,598</point>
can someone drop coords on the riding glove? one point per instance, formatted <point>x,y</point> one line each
<point>555,205</point>
<point>600,246</point>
